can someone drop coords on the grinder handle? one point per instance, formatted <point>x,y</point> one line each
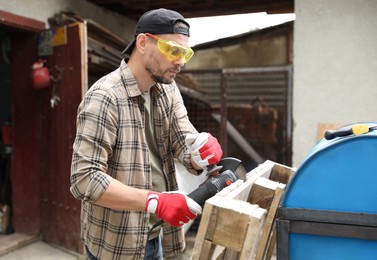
<point>201,194</point>
<point>212,185</point>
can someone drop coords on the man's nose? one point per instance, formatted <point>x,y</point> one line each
<point>180,61</point>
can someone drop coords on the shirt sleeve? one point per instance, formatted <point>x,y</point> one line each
<point>181,127</point>
<point>96,132</point>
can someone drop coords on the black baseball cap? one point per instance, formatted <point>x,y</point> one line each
<point>158,21</point>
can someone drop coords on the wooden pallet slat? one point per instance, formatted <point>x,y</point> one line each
<point>254,233</point>
<point>268,228</point>
<point>239,222</point>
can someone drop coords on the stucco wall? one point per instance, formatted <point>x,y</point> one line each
<point>271,48</point>
<point>43,9</point>
<point>335,67</point>
<point>249,53</point>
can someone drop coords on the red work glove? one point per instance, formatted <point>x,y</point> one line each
<point>204,148</point>
<point>173,208</point>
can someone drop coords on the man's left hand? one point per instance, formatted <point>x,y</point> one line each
<point>204,148</point>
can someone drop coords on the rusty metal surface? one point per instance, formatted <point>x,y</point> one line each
<point>194,8</point>
<point>60,212</point>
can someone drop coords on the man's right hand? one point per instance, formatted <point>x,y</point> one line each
<point>173,208</point>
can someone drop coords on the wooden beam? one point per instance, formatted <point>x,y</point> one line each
<point>21,22</point>
<point>269,226</point>
<point>263,192</point>
<point>253,234</point>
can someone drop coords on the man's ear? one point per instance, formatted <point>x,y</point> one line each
<point>141,42</point>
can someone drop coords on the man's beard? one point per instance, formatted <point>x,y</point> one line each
<point>158,75</point>
<point>161,79</point>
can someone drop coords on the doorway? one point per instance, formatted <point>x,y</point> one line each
<point>6,132</point>
<point>19,180</point>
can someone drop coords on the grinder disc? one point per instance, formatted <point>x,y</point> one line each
<point>233,164</point>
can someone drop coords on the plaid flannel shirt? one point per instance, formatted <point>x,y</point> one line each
<point>110,143</point>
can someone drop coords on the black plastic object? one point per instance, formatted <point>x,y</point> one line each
<point>231,170</point>
<point>212,185</point>
<point>331,134</point>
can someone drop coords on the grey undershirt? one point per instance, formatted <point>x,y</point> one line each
<point>158,177</point>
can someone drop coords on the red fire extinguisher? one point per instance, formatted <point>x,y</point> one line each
<point>40,75</point>
<point>7,134</point>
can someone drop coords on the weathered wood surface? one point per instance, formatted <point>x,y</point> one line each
<point>238,223</point>
<point>268,229</point>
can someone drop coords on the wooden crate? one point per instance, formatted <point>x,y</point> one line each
<point>238,222</point>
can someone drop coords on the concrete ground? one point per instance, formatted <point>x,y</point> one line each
<point>40,251</point>
<point>23,247</point>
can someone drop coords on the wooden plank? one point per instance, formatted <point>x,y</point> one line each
<point>230,254</point>
<point>97,31</point>
<point>263,191</point>
<point>231,210</point>
<point>253,234</point>
<point>243,190</point>
<point>281,173</point>
<point>263,244</point>
<point>233,187</point>
<point>219,253</point>
<point>21,22</point>
<point>272,244</point>
<point>203,239</point>
<point>226,222</point>
<point>232,216</point>
<point>207,250</point>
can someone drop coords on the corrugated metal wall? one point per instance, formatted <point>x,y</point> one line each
<point>245,85</point>
<point>268,87</point>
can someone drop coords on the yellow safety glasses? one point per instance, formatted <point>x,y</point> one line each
<point>171,50</point>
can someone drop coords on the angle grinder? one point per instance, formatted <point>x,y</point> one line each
<point>221,175</point>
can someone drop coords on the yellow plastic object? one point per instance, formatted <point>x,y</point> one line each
<point>360,129</point>
<point>171,50</point>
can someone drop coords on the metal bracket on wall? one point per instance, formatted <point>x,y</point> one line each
<point>55,80</point>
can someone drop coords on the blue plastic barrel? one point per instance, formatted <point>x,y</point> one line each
<point>338,175</point>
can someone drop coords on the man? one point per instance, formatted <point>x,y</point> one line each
<point>131,125</point>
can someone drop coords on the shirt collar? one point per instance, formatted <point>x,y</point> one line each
<point>129,80</point>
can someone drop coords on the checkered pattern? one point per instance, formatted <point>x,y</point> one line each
<point>111,143</point>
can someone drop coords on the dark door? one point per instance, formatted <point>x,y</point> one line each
<point>41,203</point>
<point>24,188</point>
<point>60,212</point>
